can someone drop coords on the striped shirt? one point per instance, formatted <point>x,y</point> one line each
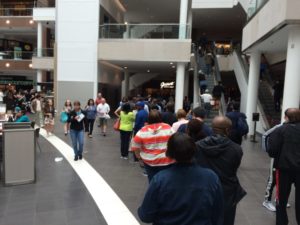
<point>152,141</point>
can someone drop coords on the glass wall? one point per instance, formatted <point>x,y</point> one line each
<point>254,7</point>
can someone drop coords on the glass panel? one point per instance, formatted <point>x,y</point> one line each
<point>16,55</point>
<point>254,6</point>
<point>16,11</point>
<point>45,52</point>
<point>144,31</point>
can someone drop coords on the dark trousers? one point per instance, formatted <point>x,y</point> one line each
<point>229,215</point>
<point>125,141</point>
<point>153,170</point>
<point>284,181</point>
<point>89,126</point>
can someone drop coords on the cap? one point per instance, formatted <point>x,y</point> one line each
<point>17,109</point>
<point>140,104</point>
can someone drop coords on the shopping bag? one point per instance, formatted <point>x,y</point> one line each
<point>64,117</point>
<point>117,125</point>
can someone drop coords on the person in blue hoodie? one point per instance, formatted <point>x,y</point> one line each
<point>91,113</point>
<point>141,117</point>
<point>21,116</point>
<point>185,193</point>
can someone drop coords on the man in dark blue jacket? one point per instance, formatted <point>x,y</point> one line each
<point>184,194</point>
<point>141,117</point>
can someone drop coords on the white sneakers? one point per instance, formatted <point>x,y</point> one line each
<point>269,206</point>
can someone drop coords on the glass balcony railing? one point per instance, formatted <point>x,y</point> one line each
<point>144,31</point>
<point>16,11</point>
<point>44,52</point>
<point>26,55</point>
<point>16,55</point>
<point>254,7</point>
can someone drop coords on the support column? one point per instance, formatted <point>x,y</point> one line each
<point>39,53</point>
<point>196,101</point>
<point>179,86</point>
<point>184,5</point>
<point>126,84</point>
<point>253,84</point>
<point>291,96</point>
<point>186,83</point>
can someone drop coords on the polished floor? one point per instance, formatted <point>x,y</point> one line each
<point>60,197</point>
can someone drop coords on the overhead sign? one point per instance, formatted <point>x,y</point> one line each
<point>167,85</point>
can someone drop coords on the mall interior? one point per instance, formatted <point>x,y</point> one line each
<point>136,49</point>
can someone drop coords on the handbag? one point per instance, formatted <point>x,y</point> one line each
<point>117,125</point>
<point>64,117</point>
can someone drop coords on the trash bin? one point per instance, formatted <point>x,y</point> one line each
<point>19,149</point>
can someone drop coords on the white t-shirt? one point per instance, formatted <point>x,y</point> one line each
<point>38,106</point>
<point>206,98</point>
<point>1,96</point>
<point>103,110</point>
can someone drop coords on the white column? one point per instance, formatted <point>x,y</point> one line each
<point>252,94</point>
<point>126,85</point>
<point>184,5</point>
<point>291,96</point>
<point>196,102</point>
<point>179,86</point>
<point>39,53</point>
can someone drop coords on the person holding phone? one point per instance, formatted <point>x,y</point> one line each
<point>76,119</point>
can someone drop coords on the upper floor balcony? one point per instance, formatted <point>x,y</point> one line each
<point>145,42</point>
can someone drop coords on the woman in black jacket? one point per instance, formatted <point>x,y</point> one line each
<point>76,119</point>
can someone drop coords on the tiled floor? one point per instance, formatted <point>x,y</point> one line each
<point>57,198</point>
<point>60,198</point>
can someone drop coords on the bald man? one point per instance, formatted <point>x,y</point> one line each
<point>284,147</point>
<point>224,157</point>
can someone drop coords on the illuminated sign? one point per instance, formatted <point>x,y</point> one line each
<point>167,85</point>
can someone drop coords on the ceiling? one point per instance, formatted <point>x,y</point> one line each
<point>151,11</point>
<point>219,24</point>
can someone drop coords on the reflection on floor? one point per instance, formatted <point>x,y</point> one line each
<point>59,196</point>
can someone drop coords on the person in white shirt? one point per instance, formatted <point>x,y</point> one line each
<point>103,110</point>
<point>181,117</point>
<point>1,96</point>
<point>207,98</point>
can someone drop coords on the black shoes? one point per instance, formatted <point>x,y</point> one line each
<point>80,157</point>
<point>76,158</point>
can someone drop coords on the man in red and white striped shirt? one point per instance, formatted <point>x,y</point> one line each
<point>150,144</point>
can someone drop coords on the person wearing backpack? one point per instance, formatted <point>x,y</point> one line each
<point>239,127</point>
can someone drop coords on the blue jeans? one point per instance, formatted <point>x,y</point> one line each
<point>153,170</point>
<point>77,137</point>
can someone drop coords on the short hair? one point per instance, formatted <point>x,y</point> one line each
<point>154,117</point>
<point>236,106</point>
<point>170,107</point>
<point>180,114</point>
<point>195,130</point>
<point>126,108</point>
<point>181,147</point>
<point>199,112</point>
<point>76,103</point>
<point>293,114</point>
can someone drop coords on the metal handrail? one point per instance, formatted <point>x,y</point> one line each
<point>16,55</point>
<point>43,52</point>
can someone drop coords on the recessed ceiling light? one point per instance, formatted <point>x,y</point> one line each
<point>125,67</point>
<point>30,65</point>
<point>31,21</point>
<point>7,21</point>
<point>126,23</point>
<point>173,66</point>
<point>148,71</point>
<point>7,64</point>
<point>171,63</point>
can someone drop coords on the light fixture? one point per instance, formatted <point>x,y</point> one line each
<point>148,71</point>
<point>7,64</point>
<point>31,21</point>
<point>30,65</point>
<point>171,63</point>
<point>125,22</point>
<point>173,67</point>
<point>7,21</point>
<point>125,67</point>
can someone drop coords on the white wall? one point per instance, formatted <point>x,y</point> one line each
<point>43,63</point>
<point>44,14</point>
<point>77,28</point>
<point>274,58</point>
<point>145,50</point>
<point>201,4</point>
<point>272,15</point>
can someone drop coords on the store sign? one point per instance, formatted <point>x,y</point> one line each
<point>167,85</point>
